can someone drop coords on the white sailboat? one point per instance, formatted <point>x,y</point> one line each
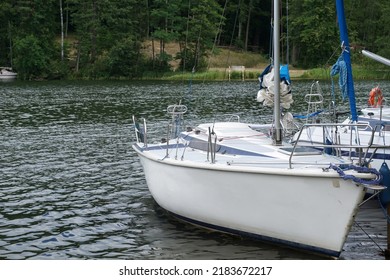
<point>373,129</point>
<point>230,177</point>
<point>7,74</point>
<point>376,119</point>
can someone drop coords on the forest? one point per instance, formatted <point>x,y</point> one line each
<point>102,39</point>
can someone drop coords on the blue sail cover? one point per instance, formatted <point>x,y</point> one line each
<point>284,74</point>
<point>346,55</point>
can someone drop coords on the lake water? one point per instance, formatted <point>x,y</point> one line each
<point>72,188</point>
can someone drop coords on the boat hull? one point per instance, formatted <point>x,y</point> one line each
<point>7,75</point>
<point>292,207</point>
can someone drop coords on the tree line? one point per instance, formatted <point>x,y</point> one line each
<point>55,39</point>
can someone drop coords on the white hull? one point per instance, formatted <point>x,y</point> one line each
<point>304,207</point>
<point>7,75</point>
<point>377,113</point>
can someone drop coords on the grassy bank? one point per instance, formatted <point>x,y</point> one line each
<point>209,75</point>
<point>220,74</point>
<point>358,72</point>
<point>254,64</point>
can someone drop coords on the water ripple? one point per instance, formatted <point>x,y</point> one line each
<point>72,188</point>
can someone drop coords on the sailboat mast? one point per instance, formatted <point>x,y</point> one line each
<point>276,54</point>
<point>10,44</point>
<point>347,57</point>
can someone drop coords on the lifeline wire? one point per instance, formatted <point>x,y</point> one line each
<point>370,237</point>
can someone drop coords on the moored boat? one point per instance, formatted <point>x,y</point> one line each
<point>231,177</point>
<point>7,74</point>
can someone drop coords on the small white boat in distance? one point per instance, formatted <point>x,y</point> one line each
<point>7,74</point>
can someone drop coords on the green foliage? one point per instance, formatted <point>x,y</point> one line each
<point>190,60</point>
<point>369,24</point>
<point>58,70</point>
<point>102,23</point>
<point>5,29</point>
<point>166,20</point>
<point>106,35</point>
<point>30,58</point>
<point>30,37</point>
<point>124,59</point>
<point>313,31</point>
<point>199,36</point>
<point>162,62</point>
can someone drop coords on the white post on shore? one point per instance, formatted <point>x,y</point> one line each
<point>237,69</point>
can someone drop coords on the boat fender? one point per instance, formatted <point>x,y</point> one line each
<point>384,196</point>
<point>376,97</point>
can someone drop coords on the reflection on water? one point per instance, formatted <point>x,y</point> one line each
<point>71,186</point>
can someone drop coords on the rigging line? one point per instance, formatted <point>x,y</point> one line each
<point>271,51</point>
<point>196,57</point>
<point>184,58</point>
<point>186,41</point>
<point>231,39</point>
<point>220,24</point>
<point>333,54</point>
<point>271,35</point>
<point>231,43</point>
<point>287,42</point>
<point>216,37</point>
<point>197,50</point>
<point>10,44</point>
<point>369,237</point>
<point>281,29</point>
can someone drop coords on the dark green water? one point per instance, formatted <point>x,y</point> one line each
<point>72,188</point>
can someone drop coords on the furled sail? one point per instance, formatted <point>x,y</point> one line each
<point>266,92</point>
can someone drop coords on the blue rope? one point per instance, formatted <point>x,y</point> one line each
<point>308,116</point>
<point>359,169</point>
<point>340,67</point>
